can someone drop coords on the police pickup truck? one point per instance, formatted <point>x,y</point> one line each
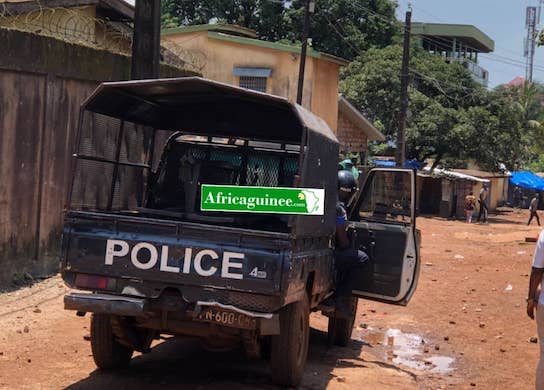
<point>204,210</point>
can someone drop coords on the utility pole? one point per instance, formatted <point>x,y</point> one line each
<point>309,8</point>
<point>146,40</point>
<point>404,81</point>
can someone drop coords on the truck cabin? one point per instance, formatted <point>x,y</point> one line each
<point>144,148</point>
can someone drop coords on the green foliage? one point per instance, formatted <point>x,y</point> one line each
<point>451,117</point>
<point>339,27</point>
<point>537,164</point>
<point>346,27</point>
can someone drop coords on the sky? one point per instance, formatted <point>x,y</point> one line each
<point>502,20</point>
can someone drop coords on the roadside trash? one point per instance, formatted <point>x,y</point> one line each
<point>458,257</point>
<point>508,288</point>
<point>521,253</point>
<point>429,264</point>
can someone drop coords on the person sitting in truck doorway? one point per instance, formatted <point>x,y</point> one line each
<point>347,259</point>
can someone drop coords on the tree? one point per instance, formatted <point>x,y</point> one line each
<point>451,116</point>
<point>346,28</point>
<point>340,27</point>
<point>439,92</point>
<point>266,17</point>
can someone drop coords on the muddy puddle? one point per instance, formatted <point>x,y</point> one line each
<point>408,349</point>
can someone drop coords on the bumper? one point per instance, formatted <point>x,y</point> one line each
<point>105,303</point>
<point>268,323</point>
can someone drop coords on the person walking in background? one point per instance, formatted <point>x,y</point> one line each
<point>533,207</point>
<point>535,300</point>
<point>470,202</point>
<point>482,200</point>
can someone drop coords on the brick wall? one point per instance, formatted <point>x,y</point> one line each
<point>351,139</point>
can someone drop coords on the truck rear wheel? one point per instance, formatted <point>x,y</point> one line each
<point>289,349</point>
<point>108,353</point>
<point>340,329</point>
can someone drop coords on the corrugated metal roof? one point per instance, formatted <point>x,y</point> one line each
<point>453,175</point>
<point>478,173</point>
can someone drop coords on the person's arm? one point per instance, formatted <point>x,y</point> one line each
<point>534,282</point>
<point>342,239</point>
<point>536,276</point>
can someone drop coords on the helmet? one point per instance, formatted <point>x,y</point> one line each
<point>346,181</point>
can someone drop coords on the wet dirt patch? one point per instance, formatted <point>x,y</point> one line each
<point>408,349</point>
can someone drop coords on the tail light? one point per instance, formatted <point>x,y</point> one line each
<point>95,282</point>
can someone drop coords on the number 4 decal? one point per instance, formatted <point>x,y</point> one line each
<point>257,274</point>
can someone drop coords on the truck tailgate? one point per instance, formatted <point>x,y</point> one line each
<point>173,253</point>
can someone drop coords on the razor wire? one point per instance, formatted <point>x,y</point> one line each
<point>81,26</point>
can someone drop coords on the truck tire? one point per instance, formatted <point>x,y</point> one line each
<point>340,329</point>
<point>289,349</point>
<point>108,353</point>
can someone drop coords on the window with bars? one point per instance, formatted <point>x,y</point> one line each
<point>253,82</point>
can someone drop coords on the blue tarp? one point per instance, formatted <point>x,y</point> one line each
<point>528,180</point>
<point>384,163</point>
<point>414,164</point>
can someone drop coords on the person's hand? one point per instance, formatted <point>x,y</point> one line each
<point>531,304</point>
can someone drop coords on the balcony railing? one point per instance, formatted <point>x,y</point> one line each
<point>477,71</point>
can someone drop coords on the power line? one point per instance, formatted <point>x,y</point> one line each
<point>439,84</point>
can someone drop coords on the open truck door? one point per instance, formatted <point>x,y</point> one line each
<point>383,224</point>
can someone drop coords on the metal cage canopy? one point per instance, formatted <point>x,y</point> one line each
<point>200,106</point>
<point>121,116</point>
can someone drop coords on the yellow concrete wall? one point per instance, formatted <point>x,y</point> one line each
<point>325,91</point>
<point>221,57</point>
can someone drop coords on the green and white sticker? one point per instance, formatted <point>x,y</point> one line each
<point>278,200</point>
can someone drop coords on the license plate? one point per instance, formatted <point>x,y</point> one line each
<point>226,318</point>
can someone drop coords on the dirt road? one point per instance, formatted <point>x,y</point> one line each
<point>465,327</point>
